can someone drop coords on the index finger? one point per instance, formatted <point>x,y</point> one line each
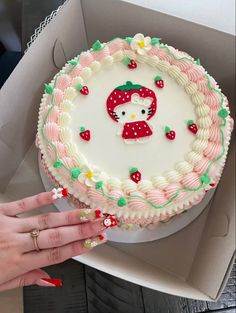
<point>27,204</point>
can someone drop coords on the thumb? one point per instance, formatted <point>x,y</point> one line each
<point>30,278</point>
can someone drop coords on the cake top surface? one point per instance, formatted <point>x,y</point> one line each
<point>134,126</point>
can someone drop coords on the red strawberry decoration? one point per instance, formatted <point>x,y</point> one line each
<point>170,134</point>
<point>135,175</point>
<point>159,82</point>
<point>83,89</point>
<point>130,63</point>
<point>192,126</point>
<point>84,134</point>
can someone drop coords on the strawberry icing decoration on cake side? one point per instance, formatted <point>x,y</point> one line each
<point>132,105</point>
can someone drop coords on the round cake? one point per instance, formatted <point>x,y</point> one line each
<point>135,128</point>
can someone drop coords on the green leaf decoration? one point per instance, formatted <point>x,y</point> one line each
<point>48,89</point>
<point>129,39</point>
<point>223,113</point>
<point>82,129</point>
<point>75,172</point>
<point>167,129</point>
<point>198,62</point>
<point>129,86</point>
<point>190,122</point>
<point>79,87</point>
<point>121,202</point>
<point>155,41</point>
<point>126,61</point>
<point>133,170</point>
<point>73,62</point>
<point>57,164</point>
<point>205,179</point>
<point>158,77</point>
<point>97,46</point>
<point>98,185</point>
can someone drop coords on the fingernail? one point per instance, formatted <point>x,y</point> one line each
<point>95,241</point>
<point>58,193</point>
<point>89,214</point>
<point>56,282</point>
<point>109,221</point>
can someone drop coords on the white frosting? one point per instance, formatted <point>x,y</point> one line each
<point>108,150</point>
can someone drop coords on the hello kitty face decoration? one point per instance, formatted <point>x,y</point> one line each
<point>132,105</point>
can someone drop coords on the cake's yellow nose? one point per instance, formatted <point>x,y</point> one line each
<point>133,115</point>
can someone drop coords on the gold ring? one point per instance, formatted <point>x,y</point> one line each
<point>34,234</point>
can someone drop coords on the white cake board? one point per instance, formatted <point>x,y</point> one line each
<point>145,235</point>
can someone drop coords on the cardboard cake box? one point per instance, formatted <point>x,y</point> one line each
<point>196,261</point>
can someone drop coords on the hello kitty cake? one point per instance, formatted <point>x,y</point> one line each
<point>135,128</point>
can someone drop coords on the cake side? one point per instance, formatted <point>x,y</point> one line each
<point>141,201</point>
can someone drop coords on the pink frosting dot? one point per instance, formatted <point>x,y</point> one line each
<point>76,71</point>
<point>212,150</point>
<point>201,165</point>
<point>157,196</point>
<point>63,81</point>
<point>58,96</point>
<point>191,180</point>
<point>115,46</point>
<point>52,131</point>
<point>86,59</point>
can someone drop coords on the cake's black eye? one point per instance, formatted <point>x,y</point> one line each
<point>143,111</point>
<point>123,112</point>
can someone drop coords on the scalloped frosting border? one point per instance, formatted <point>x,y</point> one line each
<point>196,169</point>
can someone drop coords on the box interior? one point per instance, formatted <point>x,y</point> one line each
<point>194,262</point>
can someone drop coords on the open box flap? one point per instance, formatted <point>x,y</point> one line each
<point>21,94</point>
<point>60,39</point>
<point>217,245</point>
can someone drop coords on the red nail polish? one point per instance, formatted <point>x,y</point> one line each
<point>64,192</point>
<point>101,237</point>
<point>98,213</point>
<point>55,281</point>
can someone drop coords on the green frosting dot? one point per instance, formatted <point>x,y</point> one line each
<point>82,129</point>
<point>75,172</point>
<point>129,39</point>
<point>205,179</point>
<point>121,202</point>
<point>57,164</point>
<point>167,129</point>
<point>73,62</point>
<point>158,77</point>
<point>79,87</point>
<point>48,89</point>
<point>223,113</point>
<point>198,62</point>
<point>126,61</point>
<point>133,170</point>
<point>98,185</point>
<point>97,46</point>
<point>155,41</point>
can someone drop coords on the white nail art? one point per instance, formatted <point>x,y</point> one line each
<point>57,193</point>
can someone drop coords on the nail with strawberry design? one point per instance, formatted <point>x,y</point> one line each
<point>84,133</point>
<point>82,89</point>
<point>170,133</point>
<point>159,82</point>
<point>192,127</point>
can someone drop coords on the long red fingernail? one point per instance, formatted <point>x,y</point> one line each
<point>98,213</point>
<point>55,281</point>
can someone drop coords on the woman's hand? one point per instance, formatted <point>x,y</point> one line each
<point>62,236</point>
